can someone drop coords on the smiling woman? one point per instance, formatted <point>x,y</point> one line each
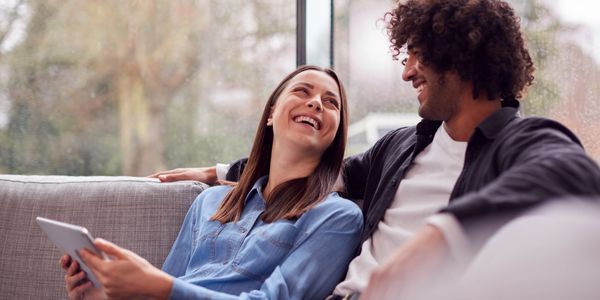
<point>261,236</point>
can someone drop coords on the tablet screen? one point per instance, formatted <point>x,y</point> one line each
<point>71,239</point>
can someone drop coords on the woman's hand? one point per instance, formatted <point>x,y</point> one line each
<point>78,286</point>
<point>127,275</point>
<point>206,175</point>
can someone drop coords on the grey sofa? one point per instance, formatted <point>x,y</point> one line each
<point>140,214</point>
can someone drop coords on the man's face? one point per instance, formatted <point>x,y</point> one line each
<point>438,93</point>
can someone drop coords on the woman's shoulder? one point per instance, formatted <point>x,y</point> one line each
<point>218,189</point>
<point>334,199</point>
<point>334,213</point>
<point>338,206</point>
<point>214,193</point>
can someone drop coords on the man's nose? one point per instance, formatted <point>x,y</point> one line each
<point>409,70</point>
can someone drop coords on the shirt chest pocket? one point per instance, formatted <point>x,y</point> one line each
<point>264,249</point>
<point>205,239</point>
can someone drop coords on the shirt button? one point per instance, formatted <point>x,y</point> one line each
<point>243,230</point>
<point>225,262</point>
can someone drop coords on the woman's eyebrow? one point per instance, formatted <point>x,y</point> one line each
<point>329,93</point>
<point>310,86</point>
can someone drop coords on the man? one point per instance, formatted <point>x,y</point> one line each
<point>427,189</point>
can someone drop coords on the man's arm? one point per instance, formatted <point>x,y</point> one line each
<point>410,268</point>
<point>207,175</point>
<point>538,163</point>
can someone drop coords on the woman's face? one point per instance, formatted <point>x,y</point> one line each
<point>307,113</point>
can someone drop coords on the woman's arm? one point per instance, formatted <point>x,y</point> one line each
<point>126,275</point>
<point>311,270</point>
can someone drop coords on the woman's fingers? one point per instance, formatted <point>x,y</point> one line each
<point>79,291</point>
<point>65,261</point>
<point>75,280</point>
<point>73,268</point>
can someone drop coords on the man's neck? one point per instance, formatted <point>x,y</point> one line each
<point>473,111</point>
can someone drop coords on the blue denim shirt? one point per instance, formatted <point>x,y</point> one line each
<point>250,259</point>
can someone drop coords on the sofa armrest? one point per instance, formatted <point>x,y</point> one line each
<point>140,214</point>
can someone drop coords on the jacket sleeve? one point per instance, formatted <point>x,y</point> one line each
<point>541,161</point>
<point>356,169</point>
<point>236,169</point>
<point>311,270</point>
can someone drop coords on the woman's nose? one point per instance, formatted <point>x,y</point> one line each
<point>315,103</point>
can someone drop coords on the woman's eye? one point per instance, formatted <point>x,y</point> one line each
<point>332,102</point>
<point>302,91</point>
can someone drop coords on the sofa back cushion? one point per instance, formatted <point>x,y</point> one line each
<point>139,214</point>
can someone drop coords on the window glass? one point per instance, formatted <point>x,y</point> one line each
<point>318,32</point>
<point>133,87</point>
<point>562,36</point>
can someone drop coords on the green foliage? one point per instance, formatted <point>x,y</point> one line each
<point>118,87</point>
<point>542,31</point>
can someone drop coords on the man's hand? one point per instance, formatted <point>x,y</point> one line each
<point>413,264</point>
<point>127,275</point>
<point>206,175</point>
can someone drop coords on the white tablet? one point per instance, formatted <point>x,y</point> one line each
<point>71,239</point>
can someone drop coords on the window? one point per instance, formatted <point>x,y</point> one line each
<point>132,87</point>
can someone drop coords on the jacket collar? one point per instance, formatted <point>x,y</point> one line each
<point>492,125</point>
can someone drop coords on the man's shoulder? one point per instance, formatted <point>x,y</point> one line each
<point>537,126</point>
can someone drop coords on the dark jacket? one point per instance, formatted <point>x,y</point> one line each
<point>511,163</point>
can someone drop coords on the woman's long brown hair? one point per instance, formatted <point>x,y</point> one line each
<point>292,198</point>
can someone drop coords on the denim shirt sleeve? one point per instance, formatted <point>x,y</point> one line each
<point>178,258</point>
<point>312,269</point>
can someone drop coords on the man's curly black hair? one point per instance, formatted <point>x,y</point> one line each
<point>479,39</point>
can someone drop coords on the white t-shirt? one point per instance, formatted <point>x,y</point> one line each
<point>424,190</point>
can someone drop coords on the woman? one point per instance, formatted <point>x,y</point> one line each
<point>278,234</point>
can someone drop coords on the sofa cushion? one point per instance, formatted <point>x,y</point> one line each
<point>140,214</point>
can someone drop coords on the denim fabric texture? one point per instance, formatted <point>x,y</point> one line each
<point>250,259</point>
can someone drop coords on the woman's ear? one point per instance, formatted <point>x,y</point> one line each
<point>270,118</point>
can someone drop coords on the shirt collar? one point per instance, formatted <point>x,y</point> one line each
<point>257,189</point>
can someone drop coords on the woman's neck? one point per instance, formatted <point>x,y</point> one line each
<point>287,165</point>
